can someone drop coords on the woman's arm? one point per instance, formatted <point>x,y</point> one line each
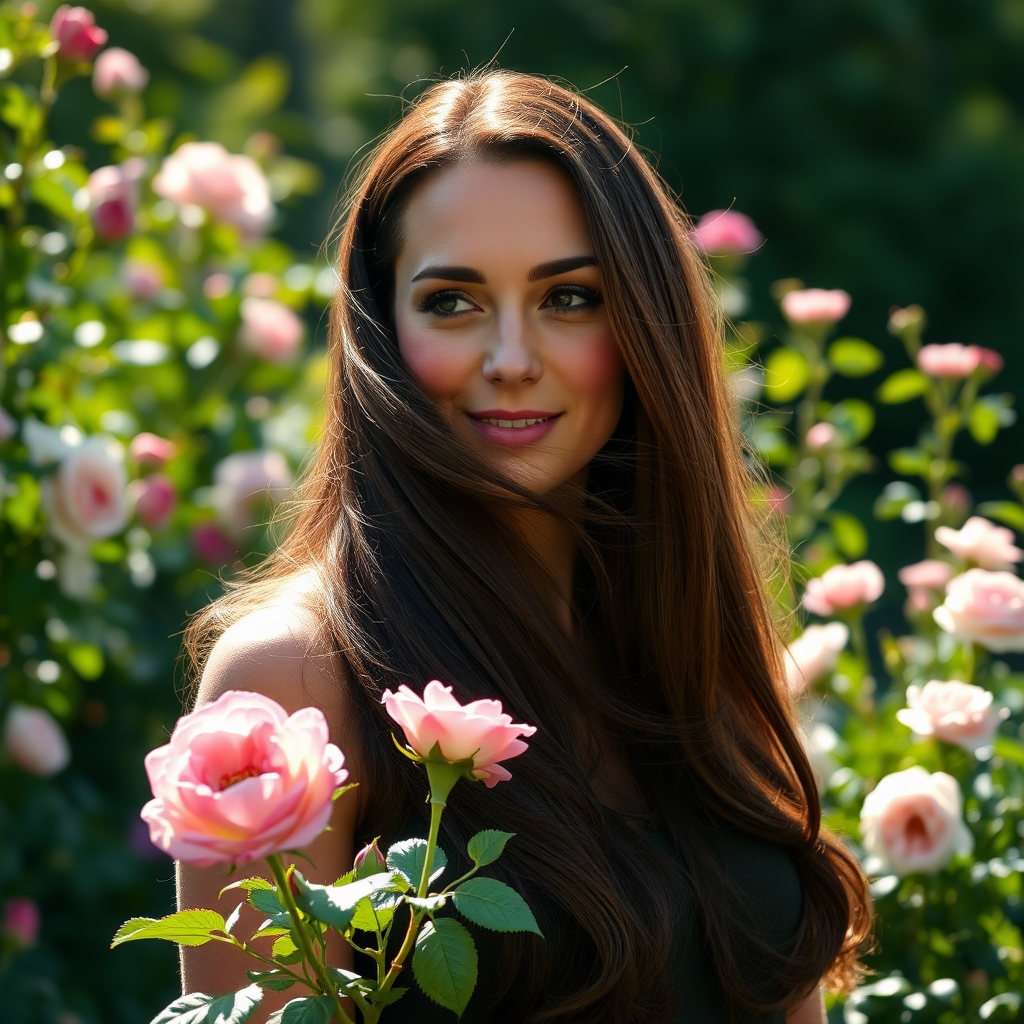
<point>811,1011</point>
<point>269,651</point>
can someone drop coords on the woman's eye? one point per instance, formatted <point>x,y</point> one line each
<point>575,297</point>
<point>446,304</point>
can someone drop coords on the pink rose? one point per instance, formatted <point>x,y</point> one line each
<point>21,922</point>
<point>8,427</point>
<point>912,821</point>
<point>982,542</point>
<point>113,196</point>
<point>218,284</point>
<point>478,730</point>
<point>151,450</point>
<point>985,608</point>
<point>240,780</point>
<point>74,31</point>
<point>261,285</point>
<point>270,330</point>
<point>142,279</point>
<point>230,187</point>
<point>931,574</point>
<point>821,435</point>
<point>35,741</point>
<point>726,233</point>
<point>87,498</point>
<point>118,72</point>
<point>814,653</point>
<point>955,361</point>
<point>959,713</point>
<point>155,500</point>
<point>844,586</point>
<point>211,545</point>
<point>815,305</point>
<point>244,483</point>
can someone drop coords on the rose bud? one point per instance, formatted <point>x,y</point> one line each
<point>821,435</point>
<point>369,861</point>
<point>155,500</point>
<point>117,73</point>
<point>21,923</point>
<point>726,233</point>
<point>211,545</point>
<point>113,196</point>
<point>151,450</point>
<point>76,34</point>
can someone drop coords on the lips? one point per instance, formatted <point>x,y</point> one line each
<point>514,427</point>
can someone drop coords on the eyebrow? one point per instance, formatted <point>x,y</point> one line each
<point>538,273</point>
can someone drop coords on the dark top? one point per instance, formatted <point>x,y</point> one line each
<point>763,873</point>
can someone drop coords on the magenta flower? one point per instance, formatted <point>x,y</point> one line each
<point>21,922</point>
<point>241,779</point>
<point>726,233</point>
<point>155,499</point>
<point>76,34</point>
<point>478,730</point>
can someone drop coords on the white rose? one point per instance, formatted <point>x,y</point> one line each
<point>913,821</point>
<point>956,712</point>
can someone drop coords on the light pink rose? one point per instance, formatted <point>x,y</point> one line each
<point>261,285</point>
<point>232,188</point>
<point>87,497</point>
<point>155,500</point>
<point>142,278</point>
<point>244,483</point>
<point>218,284</point>
<point>35,741</point>
<point>959,713</point>
<point>270,330</point>
<point>816,305</point>
<point>212,545</point>
<point>843,587</point>
<point>478,730</point>
<point>240,780</point>
<point>931,574</point>
<point>151,450</point>
<point>912,821</point>
<point>118,72</point>
<point>113,196</point>
<point>21,922</point>
<point>985,608</point>
<point>981,542</point>
<point>726,233</point>
<point>814,653</point>
<point>821,435</point>
<point>76,34</point>
<point>8,427</point>
<point>955,361</point>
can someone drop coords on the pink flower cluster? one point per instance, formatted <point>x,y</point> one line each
<point>230,187</point>
<point>844,587</point>
<point>726,233</point>
<point>242,779</point>
<point>478,730</point>
<point>954,361</point>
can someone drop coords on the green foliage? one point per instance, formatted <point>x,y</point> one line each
<point>305,1010</point>
<point>492,904</point>
<point>409,856</point>
<point>487,846</point>
<point>786,375</point>
<point>187,928</point>
<point>444,963</point>
<point>853,357</point>
<point>197,1008</point>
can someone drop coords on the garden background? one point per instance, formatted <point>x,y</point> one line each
<point>878,145</point>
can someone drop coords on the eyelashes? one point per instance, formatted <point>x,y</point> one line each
<point>445,303</point>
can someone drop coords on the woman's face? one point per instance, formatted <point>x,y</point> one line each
<point>500,317</point>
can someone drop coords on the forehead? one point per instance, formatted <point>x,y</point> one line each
<point>477,212</point>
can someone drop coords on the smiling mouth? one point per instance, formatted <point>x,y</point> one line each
<point>495,422</point>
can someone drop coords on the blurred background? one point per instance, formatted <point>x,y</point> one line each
<point>877,144</point>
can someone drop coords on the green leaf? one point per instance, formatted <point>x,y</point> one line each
<point>86,660</point>
<point>786,374</point>
<point>902,386</point>
<point>285,950</point>
<point>983,423</point>
<point>408,856</point>
<point>21,508</point>
<point>187,927</point>
<point>853,357</point>
<point>853,419</point>
<point>1008,512</point>
<point>274,980</point>
<point>335,905</point>
<point>910,461</point>
<point>375,911</point>
<point>1009,749</point>
<point>198,1008</point>
<point>305,1010</point>
<point>16,109</point>
<point>445,963</point>
<point>487,846</point>
<point>495,905</point>
<point>54,197</point>
<point>850,535</point>
<point>428,902</point>
<point>266,901</point>
<point>247,884</point>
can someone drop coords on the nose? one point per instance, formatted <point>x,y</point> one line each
<point>512,358</point>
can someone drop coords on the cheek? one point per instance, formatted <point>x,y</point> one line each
<point>596,374</point>
<point>442,368</point>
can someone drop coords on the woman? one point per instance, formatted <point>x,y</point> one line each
<point>529,486</point>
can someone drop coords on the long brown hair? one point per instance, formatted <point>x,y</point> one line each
<point>420,577</point>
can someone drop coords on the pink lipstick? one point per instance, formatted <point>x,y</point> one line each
<point>514,427</point>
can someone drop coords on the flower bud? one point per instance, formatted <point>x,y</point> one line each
<point>76,34</point>
<point>155,500</point>
<point>118,72</point>
<point>150,450</point>
<point>821,435</point>
<point>369,861</point>
<point>211,545</point>
<point>21,923</point>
